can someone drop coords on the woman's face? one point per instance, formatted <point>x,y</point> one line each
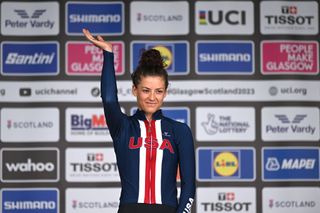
<point>150,93</point>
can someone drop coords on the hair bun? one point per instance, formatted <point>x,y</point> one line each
<point>151,59</point>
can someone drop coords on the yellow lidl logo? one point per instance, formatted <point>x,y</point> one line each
<point>166,54</point>
<point>226,164</point>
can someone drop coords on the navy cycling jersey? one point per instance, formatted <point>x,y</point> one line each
<point>148,152</point>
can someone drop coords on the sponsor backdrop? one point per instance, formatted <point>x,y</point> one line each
<point>244,75</point>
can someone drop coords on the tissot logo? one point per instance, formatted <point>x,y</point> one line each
<point>285,17</point>
<point>32,18</point>
<point>224,17</point>
<point>30,165</point>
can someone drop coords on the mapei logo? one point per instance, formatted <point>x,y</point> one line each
<point>40,200</point>
<point>224,57</point>
<point>30,18</point>
<point>290,57</point>
<point>30,165</point>
<point>104,18</point>
<point>175,55</point>
<point>29,58</point>
<point>295,164</point>
<point>89,58</point>
<point>284,17</point>
<point>225,164</point>
<point>224,18</point>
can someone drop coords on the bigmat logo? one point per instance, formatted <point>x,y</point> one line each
<point>29,165</point>
<point>291,200</point>
<point>225,124</point>
<point>226,164</point>
<point>86,124</point>
<point>229,17</point>
<point>30,18</point>
<point>40,200</point>
<point>289,57</point>
<point>100,18</point>
<point>30,125</point>
<point>92,200</point>
<point>88,59</point>
<point>29,58</point>
<point>224,57</point>
<point>290,164</point>
<point>290,124</point>
<point>159,18</point>
<point>233,200</point>
<point>289,17</point>
<point>175,54</point>
<point>91,165</point>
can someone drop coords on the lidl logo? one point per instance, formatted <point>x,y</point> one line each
<point>29,58</point>
<point>294,163</point>
<point>225,164</point>
<point>232,57</point>
<point>175,55</point>
<point>101,18</point>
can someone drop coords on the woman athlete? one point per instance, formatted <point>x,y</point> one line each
<point>148,146</point>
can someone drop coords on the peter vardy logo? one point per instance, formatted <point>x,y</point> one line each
<point>175,55</point>
<point>31,18</point>
<point>30,58</point>
<point>295,164</point>
<point>224,57</point>
<point>226,164</point>
<point>29,165</point>
<point>102,18</point>
<point>40,200</point>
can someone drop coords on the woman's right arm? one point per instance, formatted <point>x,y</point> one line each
<point>112,110</point>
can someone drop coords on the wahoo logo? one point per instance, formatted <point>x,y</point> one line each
<point>290,164</point>
<point>232,57</point>
<point>105,18</point>
<point>225,164</point>
<point>175,55</point>
<point>30,58</point>
<point>40,200</point>
<point>30,18</point>
<point>30,165</point>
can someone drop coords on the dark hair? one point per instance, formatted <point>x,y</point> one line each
<point>150,64</point>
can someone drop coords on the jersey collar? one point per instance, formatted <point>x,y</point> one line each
<point>141,115</point>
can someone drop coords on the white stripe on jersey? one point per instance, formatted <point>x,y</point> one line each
<point>158,163</point>
<point>142,163</point>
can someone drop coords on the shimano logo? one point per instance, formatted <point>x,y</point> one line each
<point>29,205</point>
<point>92,18</point>
<point>30,166</point>
<point>31,59</point>
<point>225,57</point>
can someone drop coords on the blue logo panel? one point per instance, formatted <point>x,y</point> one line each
<point>226,164</point>
<point>175,55</point>
<point>225,58</point>
<point>285,164</point>
<point>30,200</point>
<point>30,58</point>
<point>178,114</point>
<point>99,18</point>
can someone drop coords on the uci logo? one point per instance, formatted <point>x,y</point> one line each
<point>232,17</point>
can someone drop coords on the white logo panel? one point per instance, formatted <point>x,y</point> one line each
<point>159,18</point>
<point>225,124</point>
<point>30,124</point>
<point>290,123</point>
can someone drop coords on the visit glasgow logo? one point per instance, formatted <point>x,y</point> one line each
<point>175,55</point>
<point>101,18</point>
<point>225,164</point>
<point>30,58</point>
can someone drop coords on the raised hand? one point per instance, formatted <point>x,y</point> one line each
<point>98,42</point>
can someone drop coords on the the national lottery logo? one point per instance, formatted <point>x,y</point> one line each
<point>30,58</point>
<point>175,55</point>
<point>290,57</point>
<point>104,18</point>
<point>223,57</point>
<point>295,164</point>
<point>88,59</point>
<point>225,164</point>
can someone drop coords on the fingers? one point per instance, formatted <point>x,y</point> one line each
<point>88,35</point>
